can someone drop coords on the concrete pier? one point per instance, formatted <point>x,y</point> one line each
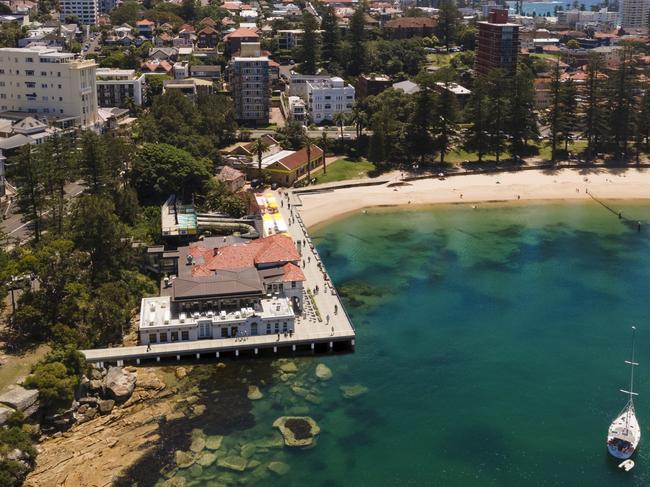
<point>324,326</point>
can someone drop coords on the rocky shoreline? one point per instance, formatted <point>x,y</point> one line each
<point>187,426</point>
<point>105,438</point>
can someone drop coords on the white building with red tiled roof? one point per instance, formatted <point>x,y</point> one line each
<point>225,287</point>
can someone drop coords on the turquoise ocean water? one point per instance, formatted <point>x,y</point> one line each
<point>491,342</point>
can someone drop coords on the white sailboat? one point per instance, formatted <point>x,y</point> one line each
<point>624,433</point>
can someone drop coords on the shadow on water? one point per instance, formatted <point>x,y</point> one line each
<point>223,393</point>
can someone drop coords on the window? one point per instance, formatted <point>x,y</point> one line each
<point>153,338</point>
<point>277,327</point>
<point>268,328</point>
<point>43,73</point>
<point>185,335</point>
<point>174,336</point>
<point>29,72</point>
<point>163,337</point>
<point>29,59</point>
<point>293,284</point>
<point>284,327</point>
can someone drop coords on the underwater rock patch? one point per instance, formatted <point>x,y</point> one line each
<point>297,430</point>
<point>323,372</point>
<point>353,390</point>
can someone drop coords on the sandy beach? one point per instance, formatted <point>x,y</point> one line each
<point>565,184</point>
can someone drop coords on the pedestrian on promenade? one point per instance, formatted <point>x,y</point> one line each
<point>328,319</point>
<point>309,259</point>
<point>278,336</point>
<point>336,309</point>
<point>332,331</point>
<point>148,347</point>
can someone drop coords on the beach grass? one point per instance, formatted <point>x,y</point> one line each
<point>344,169</point>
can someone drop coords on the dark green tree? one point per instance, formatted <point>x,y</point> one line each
<point>331,36</point>
<point>569,107</point>
<point>94,169</point>
<point>96,230</point>
<point>498,96</point>
<point>555,114</point>
<point>477,112</point>
<point>521,122</point>
<point>445,123</point>
<point>622,90</point>
<point>357,35</point>
<point>595,113</point>
<point>26,173</point>
<point>161,169</point>
<point>309,48</point>
<point>448,22</point>
<point>419,126</point>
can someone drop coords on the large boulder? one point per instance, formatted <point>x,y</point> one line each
<point>18,397</point>
<point>232,462</point>
<point>297,430</point>
<point>119,384</point>
<point>5,412</point>
<point>323,372</point>
<point>254,393</point>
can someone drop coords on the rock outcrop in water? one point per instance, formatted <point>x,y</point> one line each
<point>297,430</point>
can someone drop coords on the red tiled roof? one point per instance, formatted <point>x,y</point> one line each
<point>153,67</point>
<point>298,158</point>
<point>292,273</point>
<point>228,173</point>
<point>186,28</point>
<point>145,22</point>
<point>208,21</point>
<point>242,32</point>
<point>207,30</point>
<point>268,250</point>
<point>411,22</point>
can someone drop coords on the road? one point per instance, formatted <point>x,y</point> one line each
<point>17,229</point>
<point>348,133</point>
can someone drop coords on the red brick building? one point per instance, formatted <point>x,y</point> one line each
<point>497,44</point>
<point>407,27</point>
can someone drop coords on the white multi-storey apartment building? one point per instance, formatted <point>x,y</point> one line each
<point>328,97</point>
<point>634,14</point>
<point>114,86</point>
<point>45,81</point>
<point>323,95</point>
<point>86,11</point>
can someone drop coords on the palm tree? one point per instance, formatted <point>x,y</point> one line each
<point>307,143</point>
<point>259,147</point>
<point>339,120</point>
<point>359,119</point>
<point>323,143</point>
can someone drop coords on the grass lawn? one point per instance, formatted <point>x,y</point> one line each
<point>343,169</point>
<point>456,157</point>
<point>441,59</point>
<point>18,366</point>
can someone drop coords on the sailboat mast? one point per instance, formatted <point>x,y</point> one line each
<point>632,364</point>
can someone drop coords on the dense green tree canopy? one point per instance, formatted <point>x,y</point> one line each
<point>161,169</point>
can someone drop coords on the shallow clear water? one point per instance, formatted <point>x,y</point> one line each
<point>491,342</point>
